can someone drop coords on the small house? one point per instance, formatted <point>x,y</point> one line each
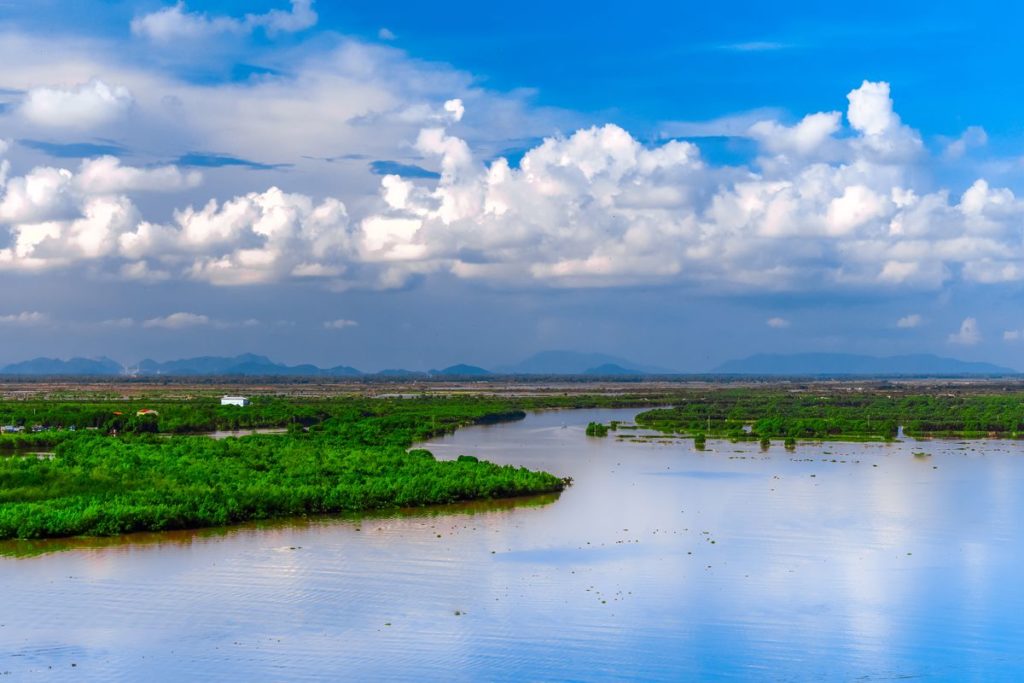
<point>240,401</point>
<point>147,411</point>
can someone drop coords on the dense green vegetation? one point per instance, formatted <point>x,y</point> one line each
<point>116,470</point>
<point>847,415</point>
<point>353,457</point>
<point>205,414</point>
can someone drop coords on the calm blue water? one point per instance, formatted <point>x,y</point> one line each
<point>660,563</point>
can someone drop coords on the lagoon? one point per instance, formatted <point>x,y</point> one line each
<point>835,561</point>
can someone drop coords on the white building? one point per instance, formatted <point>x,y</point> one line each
<point>240,401</point>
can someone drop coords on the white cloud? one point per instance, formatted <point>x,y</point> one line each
<point>823,206</point>
<point>25,319</point>
<point>455,109</point>
<point>80,107</point>
<point>56,217</point>
<point>968,335</point>
<point>322,112</point>
<point>909,321</point>
<point>386,34</point>
<point>1012,335</point>
<point>871,114</point>
<point>972,138</point>
<point>299,18</point>
<point>805,137</point>
<point>777,323</point>
<point>730,125</point>
<point>107,175</point>
<point>176,23</point>
<point>177,321</point>
<point>340,324</point>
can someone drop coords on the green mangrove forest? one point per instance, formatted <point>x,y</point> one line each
<point>840,415</point>
<point>135,472</point>
<point>112,464</point>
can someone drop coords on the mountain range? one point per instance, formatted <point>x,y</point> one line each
<point>550,363</point>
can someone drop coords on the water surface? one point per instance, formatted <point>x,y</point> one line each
<point>836,561</point>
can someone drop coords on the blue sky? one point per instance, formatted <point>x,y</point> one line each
<point>699,182</point>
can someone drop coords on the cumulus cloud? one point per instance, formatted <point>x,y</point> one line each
<point>777,323</point>
<point>872,115</point>
<point>24,319</point>
<point>176,23</point>
<point>803,138</point>
<point>177,321</point>
<point>1012,335</point>
<point>600,208</point>
<point>455,109</point>
<point>340,324</point>
<point>107,175</point>
<point>259,237</point>
<point>79,107</point>
<point>386,34</point>
<point>824,205</point>
<point>968,334</point>
<point>56,216</point>
<point>909,321</point>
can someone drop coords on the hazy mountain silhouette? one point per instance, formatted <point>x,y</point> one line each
<point>246,364</point>
<point>611,370</point>
<point>575,363</point>
<point>56,366</point>
<point>462,370</point>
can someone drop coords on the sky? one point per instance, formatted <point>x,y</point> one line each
<point>411,185</point>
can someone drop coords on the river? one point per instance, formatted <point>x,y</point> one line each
<point>836,561</point>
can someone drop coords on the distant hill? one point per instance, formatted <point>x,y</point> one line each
<point>246,364</point>
<point>342,371</point>
<point>203,365</point>
<point>399,372</point>
<point>58,367</point>
<point>852,364</point>
<point>462,370</point>
<point>575,363</point>
<point>611,370</point>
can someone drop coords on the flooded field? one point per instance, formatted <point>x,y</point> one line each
<point>835,561</point>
